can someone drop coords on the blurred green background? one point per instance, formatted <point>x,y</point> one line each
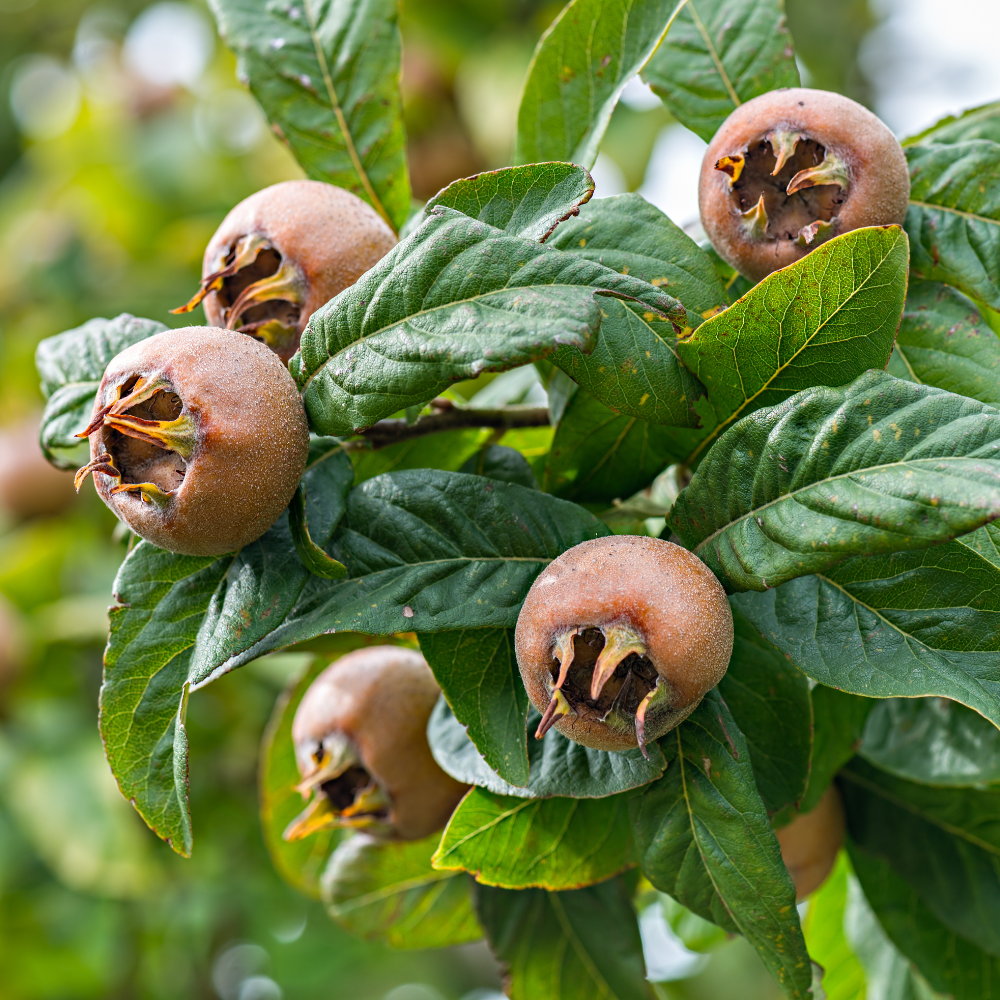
<point>124,140</point>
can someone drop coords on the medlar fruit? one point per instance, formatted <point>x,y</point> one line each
<point>619,638</point>
<point>811,842</point>
<point>792,168</point>
<point>360,735</point>
<point>29,485</point>
<point>283,252</point>
<point>198,441</point>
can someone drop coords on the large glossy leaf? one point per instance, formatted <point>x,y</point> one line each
<point>954,216</point>
<point>952,964</point>
<point>876,466</point>
<point>769,699</point>
<point>579,70</point>
<point>71,366</point>
<point>933,741</point>
<point>477,671</point>
<point>945,842</point>
<point>456,298</point>
<point>582,944</point>
<point>720,54</point>
<point>905,625</point>
<point>528,201</point>
<point>389,892</point>
<point>181,621</point>
<point>821,321</point>
<point>976,123</point>
<point>326,73</point>
<point>557,843</point>
<point>943,340</point>
<point>704,837</point>
<point>559,767</point>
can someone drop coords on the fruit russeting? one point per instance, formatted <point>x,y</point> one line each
<point>619,638</point>
<point>198,440</point>
<point>811,842</point>
<point>283,252</point>
<point>360,735</point>
<point>792,168</point>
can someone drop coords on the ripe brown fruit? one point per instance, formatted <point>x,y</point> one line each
<point>283,252</point>
<point>360,735</point>
<point>811,842</point>
<point>619,638</point>
<point>793,168</point>
<point>198,441</point>
<point>29,485</point>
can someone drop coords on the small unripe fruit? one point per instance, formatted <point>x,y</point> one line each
<point>792,168</point>
<point>619,638</point>
<point>360,735</point>
<point>283,252</point>
<point>811,842</point>
<point>198,441</point>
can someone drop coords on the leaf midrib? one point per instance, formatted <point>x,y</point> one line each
<point>955,211</point>
<point>719,68</point>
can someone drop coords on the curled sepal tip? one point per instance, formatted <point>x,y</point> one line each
<point>754,221</point>
<point>731,165</point>
<point>620,640</point>
<point>783,143</point>
<point>246,252</point>
<point>832,170</point>
<point>557,707</point>
<point>103,463</point>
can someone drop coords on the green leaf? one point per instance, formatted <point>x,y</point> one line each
<point>720,54</point>
<point>873,467</point>
<point>705,839</point>
<point>933,741</point>
<point>477,672</point>
<point>300,862</point>
<point>954,216</point>
<point>559,766</point>
<point>557,843</point>
<point>582,944</point>
<point>388,891</point>
<point>311,555</point>
<point>527,201</point>
<point>71,366</point>
<point>769,699</point>
<point>821,321</point>
<point>455,299</point>
<point>976,123</point>
<point>580,67</point>
<point>447,450</point>
<point>952,964</point>
<point>496,461</point>
<point>944,341</point>
<point>906,625</point>
<point>327,76</point>
<point>945,842</point>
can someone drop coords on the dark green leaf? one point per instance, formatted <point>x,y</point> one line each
<point>907,625</point>
<point>388,891</point>
<point>496,461</point>
<point>822,321</point>
<point>934,741</point>
<point>477,671</point>
<point>945,842</point>
<point>311,555</point>
<point>769,699</point>
<point>559,767</point>
<point>327,76</point>
<point>71,366</point>
<point>528,201</point>
<point>582,944</point>
<point>719,54</point>
<point>579,70</point>
<point>876,466</point>
<point>455,299</point>
<point>944,341</point>
<point>976,123</point>
<point>704,838</point>
<point>554,843</point>
<point>954,216</point>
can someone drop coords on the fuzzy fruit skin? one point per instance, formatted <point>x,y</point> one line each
<point>252,439</point>
<point>879,189</point>
<point>380,698</point>
<point>669,595</point>
<point>329,233</point>
<point>811,842</point>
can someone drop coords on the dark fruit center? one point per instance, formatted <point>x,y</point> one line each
<point>281,311</point>
<point>344,789</point>
<point>632,680</point>
<point>140,461</point>
<point>786,214</point>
